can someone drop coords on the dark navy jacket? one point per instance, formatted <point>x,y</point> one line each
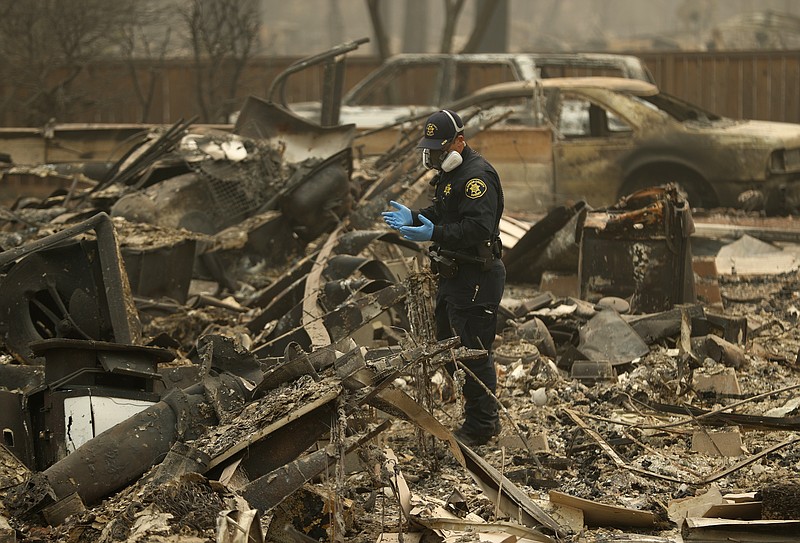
<point>466,211</point>
<point>467,205</point>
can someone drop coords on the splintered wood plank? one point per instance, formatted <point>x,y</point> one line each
<point>600,514</point>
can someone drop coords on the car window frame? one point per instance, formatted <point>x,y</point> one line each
<point>607,132</point>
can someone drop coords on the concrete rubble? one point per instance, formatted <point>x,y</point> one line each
<point>220,341</point>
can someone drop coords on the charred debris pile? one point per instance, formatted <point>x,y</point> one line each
<point>219,341</point>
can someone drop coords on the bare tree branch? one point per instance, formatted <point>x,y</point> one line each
<point>223,34</point>
<point>47,44</point>
<point>143,42</point>
<point>381,38</point>
<point>488,8</point>
<point>452,11</point>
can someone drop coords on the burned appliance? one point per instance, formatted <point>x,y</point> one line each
<point>639,250</point>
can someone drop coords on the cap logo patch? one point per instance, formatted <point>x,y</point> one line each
<point>430,129</point>
<point>475,188</point>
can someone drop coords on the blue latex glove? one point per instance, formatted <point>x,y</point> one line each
<point>418,233</point>
<point>401,217</point>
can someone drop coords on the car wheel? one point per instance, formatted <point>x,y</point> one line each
<point>693,187</point>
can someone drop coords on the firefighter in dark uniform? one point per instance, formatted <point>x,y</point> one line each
<point>463,226</point>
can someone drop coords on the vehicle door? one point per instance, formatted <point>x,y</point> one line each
<point>518,145</point>
<point>588,141</point>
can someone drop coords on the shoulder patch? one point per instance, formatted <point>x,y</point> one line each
<point>475,188</point>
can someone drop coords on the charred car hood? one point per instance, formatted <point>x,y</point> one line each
<point>768,133</point>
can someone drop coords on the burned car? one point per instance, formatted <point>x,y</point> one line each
<point>598,139</point>
<point>407,84</point>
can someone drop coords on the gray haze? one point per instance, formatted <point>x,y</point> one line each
<point>308,26</point>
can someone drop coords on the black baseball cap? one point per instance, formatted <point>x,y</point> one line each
<point>440,130</point>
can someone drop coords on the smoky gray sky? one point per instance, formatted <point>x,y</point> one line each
<point>309,26</point>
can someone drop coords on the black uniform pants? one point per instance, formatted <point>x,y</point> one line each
<point>475,323</point>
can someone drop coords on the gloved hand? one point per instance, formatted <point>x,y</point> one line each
<point>401,217</point>
<point>418,233</point>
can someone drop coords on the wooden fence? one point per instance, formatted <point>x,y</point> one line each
<point>741,85</point>
<point>748,85</point>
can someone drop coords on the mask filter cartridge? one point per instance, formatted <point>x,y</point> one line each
<point>451,161</point>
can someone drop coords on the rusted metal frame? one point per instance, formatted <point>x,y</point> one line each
<point>122,310</point>
<point>279,83</point>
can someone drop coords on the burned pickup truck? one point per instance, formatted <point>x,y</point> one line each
<point>597,139</point>
<point>411,83</point>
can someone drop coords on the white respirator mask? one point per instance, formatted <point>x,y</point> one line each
<point>450,162</point>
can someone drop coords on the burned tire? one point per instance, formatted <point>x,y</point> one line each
<point>694,188</point>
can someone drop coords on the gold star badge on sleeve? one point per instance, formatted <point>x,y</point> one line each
<point>475,188</point>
